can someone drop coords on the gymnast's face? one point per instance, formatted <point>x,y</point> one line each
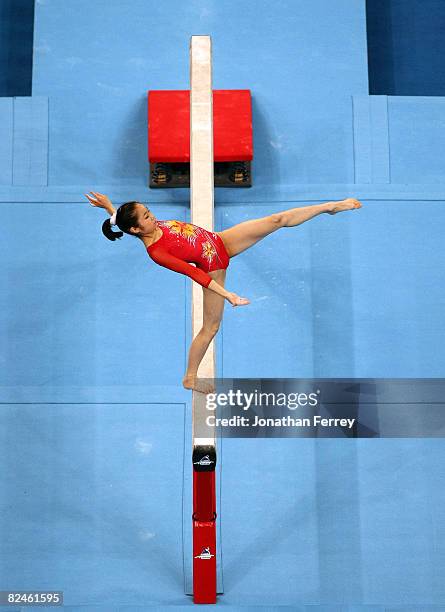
<point>146,220</point>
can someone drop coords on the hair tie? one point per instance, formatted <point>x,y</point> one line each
<point>113,218</point>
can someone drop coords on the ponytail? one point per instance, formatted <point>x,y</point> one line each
<point>108,232</point>
<point>125,217</point>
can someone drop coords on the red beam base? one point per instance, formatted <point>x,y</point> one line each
<point>204,538</point>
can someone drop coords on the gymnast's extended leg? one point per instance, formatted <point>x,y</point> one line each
<point>240,237</point>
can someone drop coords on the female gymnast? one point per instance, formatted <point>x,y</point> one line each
<point>176,245</point>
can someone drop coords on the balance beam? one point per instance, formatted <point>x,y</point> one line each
<point>204,438</point>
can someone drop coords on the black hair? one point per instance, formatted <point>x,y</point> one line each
<point>126,217</point>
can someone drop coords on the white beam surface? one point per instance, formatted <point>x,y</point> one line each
<point>201,194</point>
<point>201,186</point>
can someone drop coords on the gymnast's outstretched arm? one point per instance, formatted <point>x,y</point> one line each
<point>167,260</point>
<point>231,297</point>
<point>101,201</point>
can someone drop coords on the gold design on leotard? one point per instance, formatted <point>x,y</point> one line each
<point>191,232</point>
<point>208,251</point>
<point>188,230</point>
<point>180,228</point>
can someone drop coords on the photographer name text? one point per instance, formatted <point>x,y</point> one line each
<point>285,421</point>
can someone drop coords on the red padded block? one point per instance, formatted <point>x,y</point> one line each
<point>169,125</point>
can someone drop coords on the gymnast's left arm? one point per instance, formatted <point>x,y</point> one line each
<point>233,298</point>
<point>167,260</point>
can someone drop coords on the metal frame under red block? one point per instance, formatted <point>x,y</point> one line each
<point>204,537</point>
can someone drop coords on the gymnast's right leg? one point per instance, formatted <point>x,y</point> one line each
<point>242,236</point>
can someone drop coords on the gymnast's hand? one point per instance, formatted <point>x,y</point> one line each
<point>100,200</point>
<point>236,300</point>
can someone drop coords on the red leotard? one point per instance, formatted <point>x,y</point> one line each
<point>184,243</point>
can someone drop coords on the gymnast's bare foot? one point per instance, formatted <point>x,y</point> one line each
<point>347,204</point>
<point>202,386</point>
